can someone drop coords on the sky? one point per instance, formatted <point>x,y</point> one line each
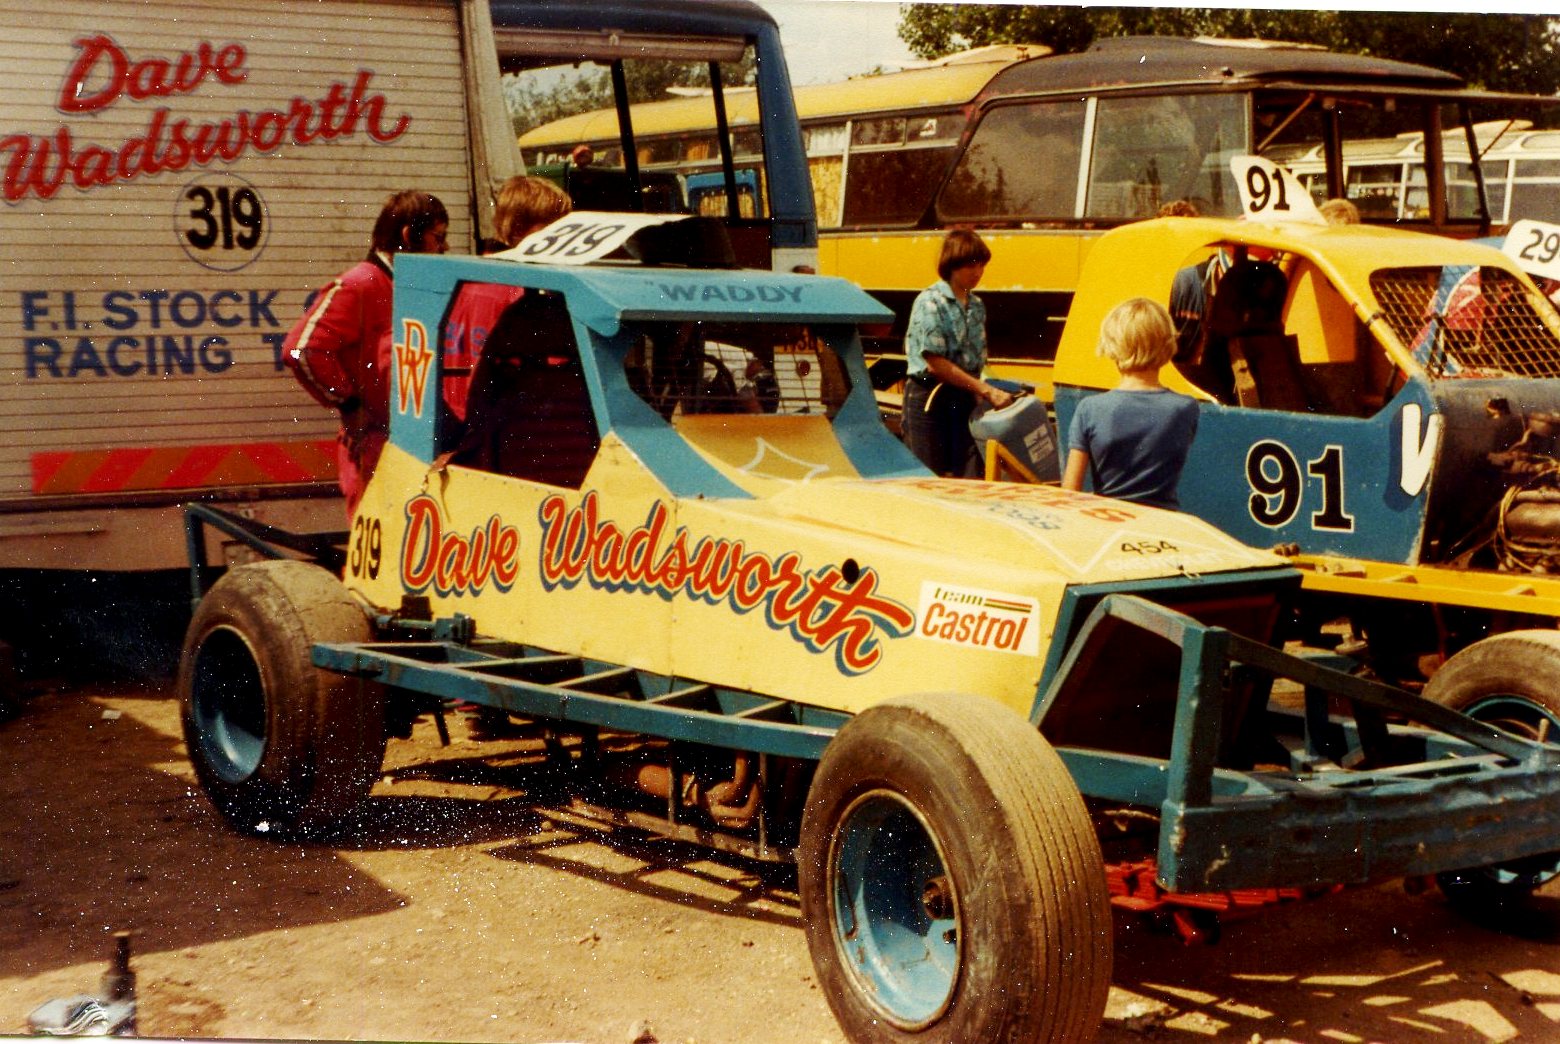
<point>829,40</point>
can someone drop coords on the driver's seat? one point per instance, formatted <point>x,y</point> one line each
<point>529,414</point>
<point>1246,320</point>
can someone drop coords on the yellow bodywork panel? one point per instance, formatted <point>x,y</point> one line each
<point>900,585</point>
<point>1437,585</point>
<point>1320,318</point>
<point>759,450</point>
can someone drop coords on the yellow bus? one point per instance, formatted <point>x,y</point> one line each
<point>1042,152</point>
<point>893,134</point>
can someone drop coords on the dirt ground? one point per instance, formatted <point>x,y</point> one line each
<point>455,910</point>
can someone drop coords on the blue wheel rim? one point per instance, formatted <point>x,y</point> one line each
<point>1517,715</point>
<point>895,911</point>
<point>228,705</point>
<point>1522,717</point>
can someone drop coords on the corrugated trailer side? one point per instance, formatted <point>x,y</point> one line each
<point>176,179</point>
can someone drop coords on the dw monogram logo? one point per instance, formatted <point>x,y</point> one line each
<point>412,359</point>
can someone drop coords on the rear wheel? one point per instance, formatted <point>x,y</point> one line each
<point>278,744</point>
<point>951,882</point>
<point>1512,681</point>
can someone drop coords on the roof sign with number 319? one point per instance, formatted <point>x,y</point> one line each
<point>582,237</point>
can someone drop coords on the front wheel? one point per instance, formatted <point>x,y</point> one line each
<point>278,744</point>
<point>1511,681</point>
<point>951,881</point>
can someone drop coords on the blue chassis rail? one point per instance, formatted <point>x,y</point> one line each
<point>1473,795</point>
<point>535,684</point>
<point>326,550</point>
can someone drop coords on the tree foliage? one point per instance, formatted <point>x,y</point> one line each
<point>1506,52</point>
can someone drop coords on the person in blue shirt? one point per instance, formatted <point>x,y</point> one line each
<point>945,346</point>
<point>1132,441</point>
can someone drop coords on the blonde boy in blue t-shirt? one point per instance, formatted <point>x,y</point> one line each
<point>1132,441</point>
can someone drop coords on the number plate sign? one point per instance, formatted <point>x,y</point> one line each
<point>582,237</point>
<point>1535,247</point>
<point>1268,192</point>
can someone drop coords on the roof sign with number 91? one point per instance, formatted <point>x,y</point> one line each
<point>1268,192</point>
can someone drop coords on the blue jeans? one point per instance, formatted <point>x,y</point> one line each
<point>939,436</point>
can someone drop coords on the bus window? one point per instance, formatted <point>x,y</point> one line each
<point>825,145</point>
<point>748,144</point>
<point>1462,191</point>
<point>707,193</point>
<point>1021,165</point>
<point>1383,152</point>
<point>672,124</point>
<point>1535,190</point>
<point>1377,189</point>
<point>892,188</point>
<point>1149,151</point>
<point>889,131</point>
<point>893,166</point>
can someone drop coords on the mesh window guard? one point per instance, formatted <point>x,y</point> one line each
<point>1466,321</point>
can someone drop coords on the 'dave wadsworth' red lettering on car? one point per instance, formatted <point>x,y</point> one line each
<point>820,608</point>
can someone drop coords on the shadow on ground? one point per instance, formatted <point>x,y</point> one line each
<point>102,832</point>
<point>1373,964</point>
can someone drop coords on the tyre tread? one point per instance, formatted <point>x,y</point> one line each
<point>324,750</point>
<point>1013,773</point>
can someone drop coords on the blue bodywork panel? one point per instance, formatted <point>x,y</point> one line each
<point>1398,486</point>
<point>1346,486</point>
<point>605,303</point>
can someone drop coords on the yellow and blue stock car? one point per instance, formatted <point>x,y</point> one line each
<point>672,533</point>
<point>1383,407</point>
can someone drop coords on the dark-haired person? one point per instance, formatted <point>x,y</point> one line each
<point>339,349</point>
<point>945,347</point>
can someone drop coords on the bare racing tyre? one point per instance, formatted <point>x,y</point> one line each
<point>1512,681</point>
<point>951,881</point>
<point>278,744</point>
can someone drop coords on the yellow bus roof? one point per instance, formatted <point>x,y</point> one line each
<point>940,86</point>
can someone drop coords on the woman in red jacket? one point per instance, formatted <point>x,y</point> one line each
<point>339,349</point>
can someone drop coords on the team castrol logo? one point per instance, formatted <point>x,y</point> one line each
<point>979,619</point>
